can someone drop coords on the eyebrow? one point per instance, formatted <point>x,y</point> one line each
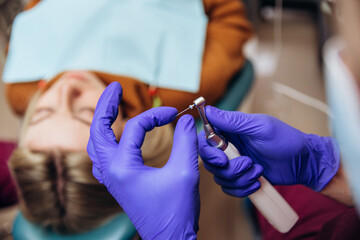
<point>51,111</point>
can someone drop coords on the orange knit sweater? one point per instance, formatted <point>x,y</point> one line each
<point>227,31</point>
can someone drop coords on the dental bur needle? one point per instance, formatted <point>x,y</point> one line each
<point>190,107</point>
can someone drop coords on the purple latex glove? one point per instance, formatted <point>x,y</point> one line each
<point>287,155</point>
<point>238,177</point>
<point>162,203</point>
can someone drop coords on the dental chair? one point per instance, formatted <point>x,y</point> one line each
<point>236,91</point>
<point>238,88</point>
<point>120,228</point>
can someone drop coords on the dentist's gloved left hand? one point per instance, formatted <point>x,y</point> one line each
<point>162,203</point>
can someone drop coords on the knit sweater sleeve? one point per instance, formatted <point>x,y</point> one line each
<point>18,95</point>
<point>227,32</point>
<point>31,4</point>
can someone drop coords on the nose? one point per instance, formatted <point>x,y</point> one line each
<point>68,92</point>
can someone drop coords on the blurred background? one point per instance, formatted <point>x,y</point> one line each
<point>9,125</point>
<point>287,54</point>
<point>285,51</point>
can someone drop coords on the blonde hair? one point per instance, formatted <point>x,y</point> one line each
<point>57,189</point>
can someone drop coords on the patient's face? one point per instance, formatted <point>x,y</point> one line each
<point>63,114</point>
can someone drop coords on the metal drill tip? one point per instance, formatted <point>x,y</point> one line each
<point>199,101</point>
<point>181,112</point>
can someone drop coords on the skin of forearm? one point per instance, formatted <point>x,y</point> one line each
<point>338,189</point>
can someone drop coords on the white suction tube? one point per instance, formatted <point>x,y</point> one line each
<point>269,201</point>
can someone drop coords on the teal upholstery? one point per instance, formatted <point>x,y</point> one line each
<point>238,87</point>
<point>237,90</point>
<point>119,228</point>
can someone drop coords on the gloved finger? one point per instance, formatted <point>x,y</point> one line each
<point>247,178</point>
<point>242,192</point>
<point>233,170</point>
<point>106,111</point>
<point>209,154</point>
<point>235,139</point>
<point>184,152</point>
<point>91,151</point>
<point>231,121</point>
<point>97,174</point>
<point>96,161</point>
<point>136,128</point>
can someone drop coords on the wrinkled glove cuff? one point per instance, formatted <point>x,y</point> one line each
<point>326,154</point>
<point>179,232</point>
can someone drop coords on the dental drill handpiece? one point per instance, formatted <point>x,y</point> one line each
<point>267,199</point>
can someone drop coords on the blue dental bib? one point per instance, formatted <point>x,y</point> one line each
<point>159,42</point>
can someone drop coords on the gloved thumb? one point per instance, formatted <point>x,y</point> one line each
<point>102,139</point>
<point>231,121</point>
<point>211,155</point>
<point>185,147</point>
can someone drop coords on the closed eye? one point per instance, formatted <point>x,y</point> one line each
<point>84,114</point>
<point>86,109</point>
<point>41,114</point>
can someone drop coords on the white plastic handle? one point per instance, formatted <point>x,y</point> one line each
<point>269,201</point>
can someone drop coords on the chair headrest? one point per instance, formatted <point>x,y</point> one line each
<point>120,227</point>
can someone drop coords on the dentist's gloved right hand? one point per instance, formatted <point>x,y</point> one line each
<point>287,155</point>
<point>162,203</point>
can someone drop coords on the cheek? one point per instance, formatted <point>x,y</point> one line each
<point>92,97</point>
<point>27,140</point>
<point>88,99</point>
<point>82,142</point>
<point>118,127</point>
<point>48,98</point>
<point>68,137</point>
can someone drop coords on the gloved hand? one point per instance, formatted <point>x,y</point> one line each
<point>237,177</point>
<point>162,203</point>
<point>287,155</point>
